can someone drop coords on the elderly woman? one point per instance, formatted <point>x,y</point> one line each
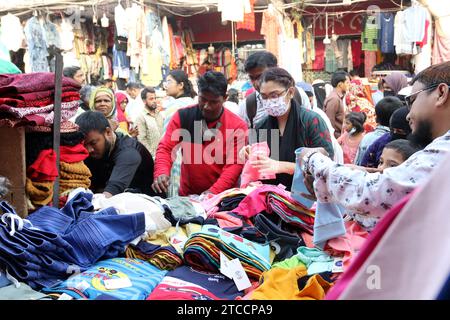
<point>103,100</point>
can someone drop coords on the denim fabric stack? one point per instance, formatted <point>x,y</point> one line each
<point>52,243</point>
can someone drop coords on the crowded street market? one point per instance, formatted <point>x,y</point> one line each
<point>224,150</point>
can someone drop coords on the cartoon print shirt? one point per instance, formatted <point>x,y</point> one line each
<point>367,196</point>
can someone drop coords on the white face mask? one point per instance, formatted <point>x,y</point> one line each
<point>276,107</point>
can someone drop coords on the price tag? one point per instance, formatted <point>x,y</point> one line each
<point>118,283</point>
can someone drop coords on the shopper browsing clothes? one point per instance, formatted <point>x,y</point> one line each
<point>295,127</point>
<point>209,136</point>
<point>118,162</point>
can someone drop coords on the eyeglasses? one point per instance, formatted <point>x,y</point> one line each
<point>273,95</point>
<point>410,101</point>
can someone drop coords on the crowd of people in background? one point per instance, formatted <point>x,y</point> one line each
<point>351,137</point>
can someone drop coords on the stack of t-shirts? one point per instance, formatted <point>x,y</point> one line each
<point>291,212</point>
<point>165,248</point>
<point>185,283</point>
<point>54,243</point>
<point>136,279</point>
<point>28,99</point>
<point>43,172</point>
<point>202,251</point>
<point>164,257</point>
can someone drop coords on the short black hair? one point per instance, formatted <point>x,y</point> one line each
<point>92,121</point>
<point>133,85</point>
<point>145,91</point>
<point>385,108</point>
<point>338,77</point>
<point>278,75</point>
<point>434,75</point>
<point>213,82</point>
<point>402,146</point>
<point>260,59</point>
<point>70,71</point>
<point>354,73</point>
<point>233,95</point>
<point>357,119</point>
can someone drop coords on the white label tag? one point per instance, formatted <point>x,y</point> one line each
<point>239,275</point>
<point>65,296</point>
<point>338,265</point>
<point>113,284</point>
<point>82,286</point>
<point>225,266</point>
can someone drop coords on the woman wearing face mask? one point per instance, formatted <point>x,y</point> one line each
<point>287,127</point>
<point>393,83</point>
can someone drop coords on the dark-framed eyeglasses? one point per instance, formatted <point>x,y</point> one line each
<point>412,97</point>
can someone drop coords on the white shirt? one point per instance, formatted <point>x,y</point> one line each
<point>232,106</point>
<point>134,107</point>
<point>12,34</point>
<point>120,19</point>
<point>367,196</point>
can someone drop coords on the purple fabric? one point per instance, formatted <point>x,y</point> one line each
<point>31,82</point>
<point>372,156</point>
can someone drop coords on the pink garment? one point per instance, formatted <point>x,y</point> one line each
<point>256,202</point>
<point>210,204</point>
<point>225,220</point>
<point>348,244</point>
<point>250,173</point>
<point>350,146</point>
<point>441,48</point>
<point>412,259</point>
<point>370,60</point>
<point>372,241</point>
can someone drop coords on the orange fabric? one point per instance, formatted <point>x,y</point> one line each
<point>249,19</point>
<point>281,284</point>
<point>270,28</point>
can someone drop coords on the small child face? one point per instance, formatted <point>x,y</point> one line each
<point>390,158</point>
<point>348,126</point>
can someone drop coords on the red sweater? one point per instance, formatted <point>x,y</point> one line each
<point>206,165</point>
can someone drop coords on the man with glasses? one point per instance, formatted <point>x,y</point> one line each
<point>367,196</point>
<point>209,136</point>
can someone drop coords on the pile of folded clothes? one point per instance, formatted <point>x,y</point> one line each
<point>52,243</point>
<point>28,100</point>
<point>42,174</point>
<point>202,251</point>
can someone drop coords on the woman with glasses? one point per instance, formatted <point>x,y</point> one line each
<point>179,87</point>
<point>287,127</point>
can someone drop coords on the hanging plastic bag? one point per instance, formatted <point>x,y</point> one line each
<point>250,173</point>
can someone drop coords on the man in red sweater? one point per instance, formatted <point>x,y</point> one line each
<point>210,137</point>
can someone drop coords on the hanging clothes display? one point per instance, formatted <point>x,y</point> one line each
<point>11,32</point>
<point>386,40</point>
<point>270,29</point>
<point>369,36</point>
<point>249,18</point>
<point>37,47</point>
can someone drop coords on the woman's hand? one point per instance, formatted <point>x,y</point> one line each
<point>244,154</point>
<point>266,165</point>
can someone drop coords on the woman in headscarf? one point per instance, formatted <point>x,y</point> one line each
<point>121,104</point>
<point>393,83</point>
<point>103,100</point>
